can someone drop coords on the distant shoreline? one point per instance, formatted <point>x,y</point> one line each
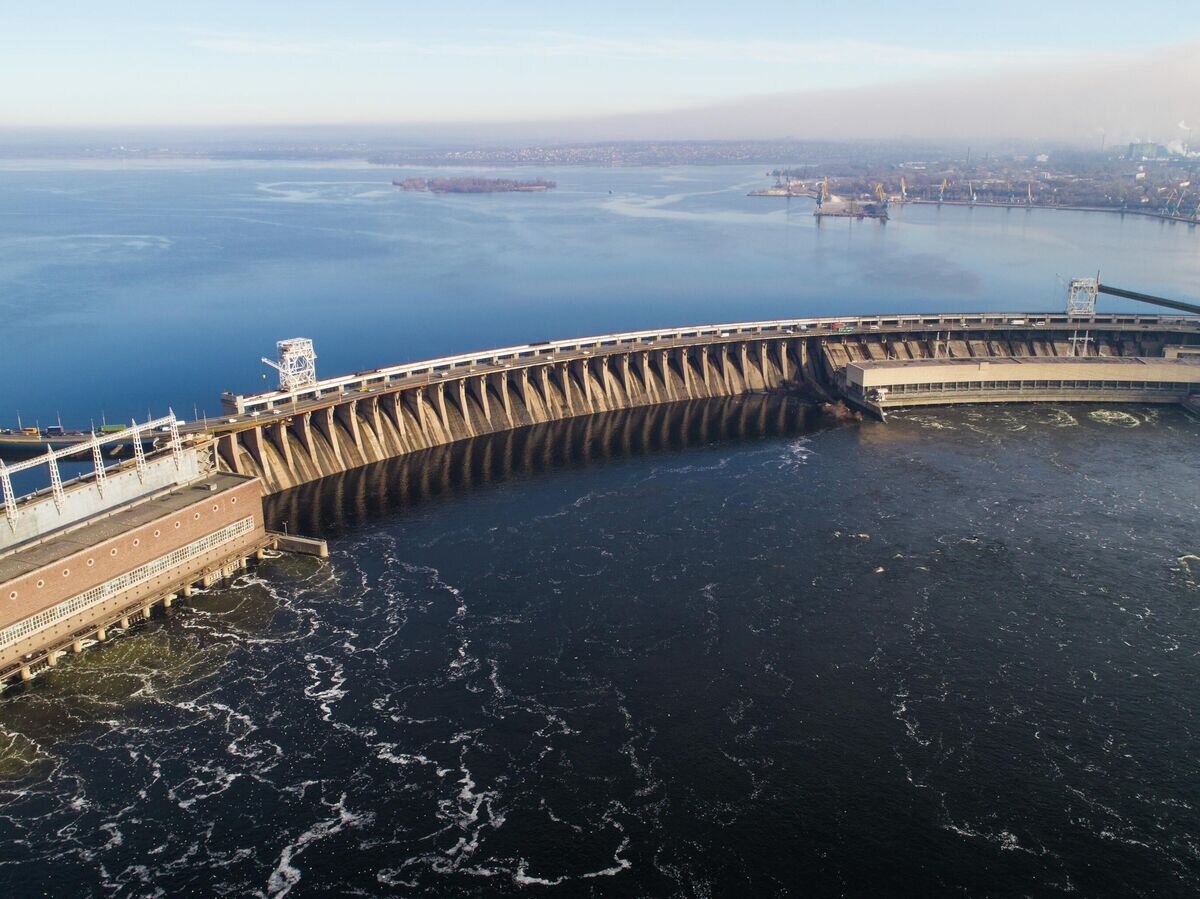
<point>1142,213</point>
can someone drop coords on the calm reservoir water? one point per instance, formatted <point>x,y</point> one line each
<point>712,649</point>
<point>123,290</point>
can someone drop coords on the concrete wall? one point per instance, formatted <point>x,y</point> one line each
<point>289,450</point>
<point>888,374</point>
<point>1182,352</point>
<point>1048,395</point>
<point>41,515</point>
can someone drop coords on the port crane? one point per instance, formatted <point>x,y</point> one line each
<point>823,192</point>
<point>903,190</point>
<point>1029,193</point>
<point>880,194</point>
<point>942,190</point>
<point>971,193</point>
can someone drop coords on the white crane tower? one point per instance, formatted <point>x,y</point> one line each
<point>297,364</point>
<point>1081,296</point>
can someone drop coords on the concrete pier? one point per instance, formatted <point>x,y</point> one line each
<point>305,546</point>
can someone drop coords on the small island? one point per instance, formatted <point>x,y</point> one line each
<point>473,185</point>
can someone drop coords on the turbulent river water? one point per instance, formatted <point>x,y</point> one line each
<point>711,649</point>
<point>714,649</point>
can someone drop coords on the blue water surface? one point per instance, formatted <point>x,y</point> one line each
<point>125,290</point>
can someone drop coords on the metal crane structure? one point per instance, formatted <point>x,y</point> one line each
<point>1081,297</point>
<point>297,364</point>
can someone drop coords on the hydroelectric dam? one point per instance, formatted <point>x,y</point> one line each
<point>310,428</point>
<point>82,558</point>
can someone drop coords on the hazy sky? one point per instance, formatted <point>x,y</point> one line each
<point>261,61</point>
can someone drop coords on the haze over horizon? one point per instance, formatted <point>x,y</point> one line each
<point>1072,72</point>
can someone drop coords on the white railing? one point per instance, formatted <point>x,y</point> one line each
<point>133,434</point>
<point>248,403</point>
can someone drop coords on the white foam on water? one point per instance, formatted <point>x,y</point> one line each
<point>524,879</point>
<point>286,875</point>
<point>494,677</point>
<point>923,420</point>
<point>387,753</point>
<point>622,864</point>
<point>1115,418</point>
<point>544,806</point>
<point>1061,418</point>
<point>796,453</point>
<point>325,696</point>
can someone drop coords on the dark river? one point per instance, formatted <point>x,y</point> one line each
<point>712,649</point>
<point>716,649</point>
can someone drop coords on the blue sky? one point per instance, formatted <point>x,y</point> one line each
<point>218,62</point>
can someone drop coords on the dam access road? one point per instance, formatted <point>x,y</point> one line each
<point>82,557</point>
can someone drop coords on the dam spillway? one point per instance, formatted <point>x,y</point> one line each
<point>289,438</point>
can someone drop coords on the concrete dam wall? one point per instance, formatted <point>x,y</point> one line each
<point>355,432</point>
<point>287,444</point>
<point>349,500</point>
